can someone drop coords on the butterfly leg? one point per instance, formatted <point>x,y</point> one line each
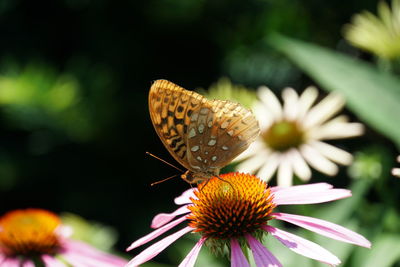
<point>225,181</point>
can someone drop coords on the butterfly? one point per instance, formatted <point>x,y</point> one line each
<point>202,135</point>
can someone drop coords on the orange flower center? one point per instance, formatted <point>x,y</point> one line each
<point>283,135</point>
<point>29,232</point>
<point>231,206</point>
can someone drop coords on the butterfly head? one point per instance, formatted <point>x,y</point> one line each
<point>196,177</point>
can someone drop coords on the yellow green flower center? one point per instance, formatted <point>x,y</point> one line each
<point>231,206</point>
<point>29,232</point>
<point>283,135</point>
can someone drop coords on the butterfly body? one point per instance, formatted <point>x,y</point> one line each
<point>202,135</point>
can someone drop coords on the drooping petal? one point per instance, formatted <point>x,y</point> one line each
<point>318,193</point>
<point>269,168</point>
<point>299,165</point>
<point>302,246</point>
<point>271,102</point>
<point>285,172</point>
<point>333,153</point>
<point>156,248</point>
<point>237,257</point>
<point>163,218</point>
<point>11,262</point>
<point>51,261</point>
<point>324,228</point>
<point>184,198</point>
<point>310,188</point>
<point>80,253</point>
<point>190,259</point>
<point>262,256</point>
<point>27,263</point>
<point>317,160</point>
<point>155,233</point>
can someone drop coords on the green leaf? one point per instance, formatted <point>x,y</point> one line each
<point>372,94</point>
<point>385,251</point>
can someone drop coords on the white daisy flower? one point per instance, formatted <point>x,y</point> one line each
<point>291,134</point>
<point>396,171</point>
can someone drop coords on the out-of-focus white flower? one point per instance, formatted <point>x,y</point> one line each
<point>377,34</point>
<point>396,171</point>
<point>291,135</point>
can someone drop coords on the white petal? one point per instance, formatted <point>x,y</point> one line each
<point>254,148</point>
<point>396,172</point>
<point>264,116</point>
<point>268,169</point>
<point>333,153</point>
<point>317,161</point>
<point>290,103</point>
<point>324,110</point>
<point>299,165</point>
<point>285,172</point>
<point>336,130</point>
<point>306,100</point>
<point>254,163</point>
<point>271,101</point>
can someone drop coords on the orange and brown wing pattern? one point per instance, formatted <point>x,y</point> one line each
<point>170,109</point>
<point>219,132</point>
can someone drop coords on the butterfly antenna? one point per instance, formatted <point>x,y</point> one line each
<point>166,162</point>
<point>163,180</point>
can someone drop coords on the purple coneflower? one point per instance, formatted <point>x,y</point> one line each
<point>36,237</point>
<point>235,211</point>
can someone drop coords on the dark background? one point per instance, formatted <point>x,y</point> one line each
<point>114,50</point>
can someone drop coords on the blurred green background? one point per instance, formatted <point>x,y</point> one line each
<point>74,122</point>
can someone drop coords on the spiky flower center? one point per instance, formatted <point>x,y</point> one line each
<point>284,135</point>
<point>29,232</point>
<point>231,206</point>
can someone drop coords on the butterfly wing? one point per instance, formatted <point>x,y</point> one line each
<point>170,109</point>
<point>217,133</point>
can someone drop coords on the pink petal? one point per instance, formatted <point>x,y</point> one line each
<point>155,233</point>
<point>262,256</point>
<point>301,188</point>
<point>308,194</point>
<point>51,261</point>
<point>324,228</point>
<point>156,248</point>
<point>237,257</point>
<point>302,246</point>
<point>185,197</point>
<point>27,263</point>
<point>84,252</point>
<point>11,262</point>
<point>190,259</point>
<point>79,260</point>
<point>163,218</point>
